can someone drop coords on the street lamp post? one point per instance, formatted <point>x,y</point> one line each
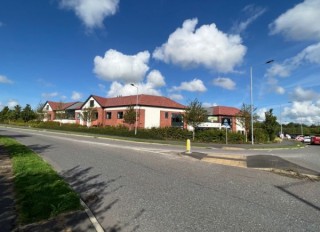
<point>251,106</point>
<point>136,124</point>
<point>281,133</point>
<point>251,101</point>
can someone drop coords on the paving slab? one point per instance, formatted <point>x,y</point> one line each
<point>253,161</point>
<point>275,162</point>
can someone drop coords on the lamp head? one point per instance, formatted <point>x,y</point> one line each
<point>269,61</point>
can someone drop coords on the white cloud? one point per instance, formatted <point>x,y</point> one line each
<point>280,70</point>
<point>279,90</point>
<point>309,54</point>
<point>205,46</point>
<point>254,12</point>
<point>225,83</point>
<point>195,85</point>
<point>45,83</point>
<point>306,112</point>
<point>101,86</point>
<point>208,104</point>
<point>49,95</point>
<point>115,66</point>
<point>118,89</point>
<point>155,79</point>
<point>261,113</point>
<point>299,22</point>
<point>12,103</point>
<point>76,96</point>
<point>176,96</point>
<point>5,80</point>
<point>91,12</point>
<point>299,94</point>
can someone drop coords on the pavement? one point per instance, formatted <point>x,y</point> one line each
<point>263,162</point>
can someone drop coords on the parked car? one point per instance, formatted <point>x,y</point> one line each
<point>315,139</point>
<point>307,139</point>
<point>299,138</point>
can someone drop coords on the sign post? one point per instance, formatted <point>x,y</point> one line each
<point>226,122</point>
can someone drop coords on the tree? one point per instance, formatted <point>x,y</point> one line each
<point>244,118</point>
<point>88,115</point>
<point>16,113</point>
<point>28,114</point>
<point>4,114</point>
<point>195,114</point>
<point>130,116</point>
<point>270,124</point>
<point>39,111</point>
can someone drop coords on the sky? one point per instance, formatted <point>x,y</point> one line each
<point>66,50</point>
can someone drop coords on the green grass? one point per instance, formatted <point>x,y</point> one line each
<point>40,192</point>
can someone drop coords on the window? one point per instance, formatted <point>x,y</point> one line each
<point>91,103</point>
<point>47,107</point>
<point>120,115</point>
<point>166,114</point>
<point>108,115</point>
<point>177,120</point>
<point>96,115</point>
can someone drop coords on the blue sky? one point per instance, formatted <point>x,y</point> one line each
<point>65,50</point>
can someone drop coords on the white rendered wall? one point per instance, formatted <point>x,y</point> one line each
<point>45,107</point>
<point>239,127</point>
<point>152,117</point>
<point>87,105</point>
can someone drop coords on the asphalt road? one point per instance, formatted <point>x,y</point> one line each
<point>138,187</point>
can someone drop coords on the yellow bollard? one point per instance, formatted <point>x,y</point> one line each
<point>188,148</point>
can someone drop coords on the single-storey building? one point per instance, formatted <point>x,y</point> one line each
<point>59,111</point>
<point>221,117</point>
<point>152,111</point>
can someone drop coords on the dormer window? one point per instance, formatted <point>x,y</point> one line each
<point>91,103</point>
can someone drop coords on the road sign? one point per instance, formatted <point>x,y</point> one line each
<point>226,122</point>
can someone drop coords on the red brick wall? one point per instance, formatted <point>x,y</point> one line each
<point>141,118</point>
<point>166,122</point>
<point>114,121</point>
<point>100,120</point>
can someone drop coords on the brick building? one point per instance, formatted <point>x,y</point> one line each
<point>217,115</point>
<point>153,111</point>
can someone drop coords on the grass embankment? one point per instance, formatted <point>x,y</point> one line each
<point>40,192</point>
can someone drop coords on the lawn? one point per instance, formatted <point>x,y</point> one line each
<point>40,192</point>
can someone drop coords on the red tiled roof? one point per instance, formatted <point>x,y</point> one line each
<point>225,110</point>
<point>143,100</point>
<point>101,100</point>
<point>60,105</point>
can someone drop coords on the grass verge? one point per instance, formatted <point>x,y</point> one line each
<point>40,192</point>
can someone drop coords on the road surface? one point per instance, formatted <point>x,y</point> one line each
<point>138,187</point>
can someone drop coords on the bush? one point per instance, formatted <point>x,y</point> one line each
<point>260,136</point>
<point>218,136</point>
<point>167,133</point>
